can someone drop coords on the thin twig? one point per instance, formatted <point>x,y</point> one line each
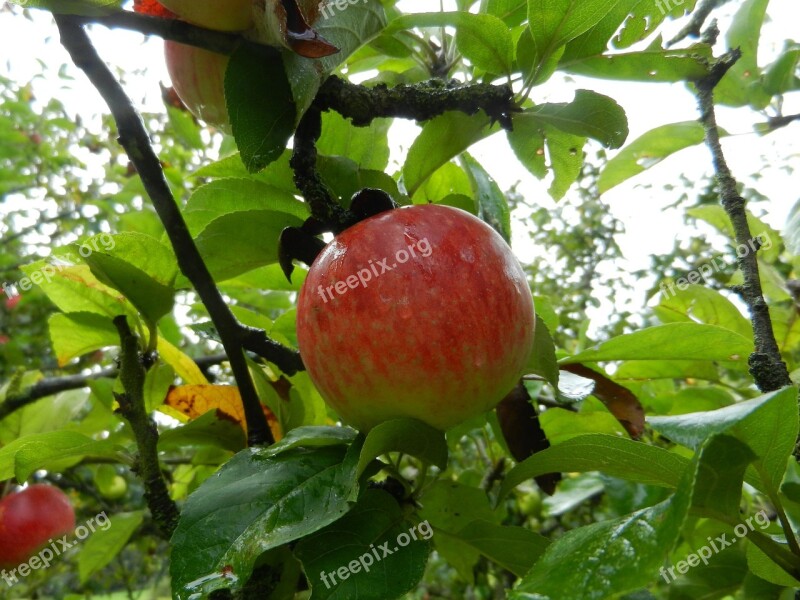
<point>134,138</point>
<point>697,21</point>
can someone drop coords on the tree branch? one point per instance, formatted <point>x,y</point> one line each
<point>697,21</point>
<point>766,366</point>
<point>131,406</point>
<point>420,102</point>
<point>55,385</point>
<point>135,140</point>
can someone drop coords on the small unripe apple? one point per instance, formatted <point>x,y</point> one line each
<point>29,519</point>
<point>420,312</point>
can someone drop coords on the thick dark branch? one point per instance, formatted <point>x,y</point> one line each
<point>168,29</point>
<point>774,123</point>
<point>134,138</point>
<point>420,102</point>
<point>766,366</point>
<point>324,207</point>
<point>55,385</point>
<point>131,407</point>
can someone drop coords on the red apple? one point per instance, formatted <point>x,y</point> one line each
<point>29,519</point>
<point>416,312</point>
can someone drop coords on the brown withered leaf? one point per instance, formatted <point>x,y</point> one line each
<point>523,433</point>
<point>193,401</point>
<point>620,401</point>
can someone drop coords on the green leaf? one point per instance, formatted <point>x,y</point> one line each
<point>650,149</point>
<point>27,454</point>
<point>484,40</point>
<point>511,12</point>
<point>312,437</point>
<point>107,542</point>
<point>543,357</point>
<point>674,341</point>
<point>589,115</point>
<point>492,203</point>
<point>405,435</point>
<point>75,289</point>
<point>76,334</point>
<point>254,503</point>
<point>703,304</point>
<point>140,267</point>
<point>442,138</point>
<point>553,23</point>
<point>278,174</point>
<point>768,424</point>
<point>260,105</point>
<point>615,456</point>
<point>513,548</point>
<point>718,491</point>
<point>374,552</point>
<point>368,147</point>
<point>741,85</point>
<point>449,507</point>
<point>615,556</point>
<point>229,195</point>
<point>651,65</point>
<point>779,77</point>
<point>240,241</point>
<point>209,429</point>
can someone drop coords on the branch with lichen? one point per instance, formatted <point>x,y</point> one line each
<point>766,365</point>
<point>132,408</point>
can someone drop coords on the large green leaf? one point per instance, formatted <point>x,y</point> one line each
<point>79,333</point>
<point>405,435</point>
<point>254,503</point>
<point>553,23</point>
<point>589,115</point>
<point>25,455</point>
<point>374,552</point>
<point>111,536</point>
<point>224,196</point>
<point>543,361</point>
<point>86,8</point>
<point>241,241</point>
<point>513,548</point>
<point>616,456</point>
<point>700,303</point>
<point>442,138</point>
<point>741,85</point>
<point>650,149</point>
<point>768,424</point>
<point>260,105</point>
<point>718,491</point>
<point>651,65</point>
<point>674,341</point>
<point>140,267</point>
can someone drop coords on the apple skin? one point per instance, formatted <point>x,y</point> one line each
<point>230,15</point>
<point>29,519</point>
<point>198,77</point>
<point>441,338</point>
